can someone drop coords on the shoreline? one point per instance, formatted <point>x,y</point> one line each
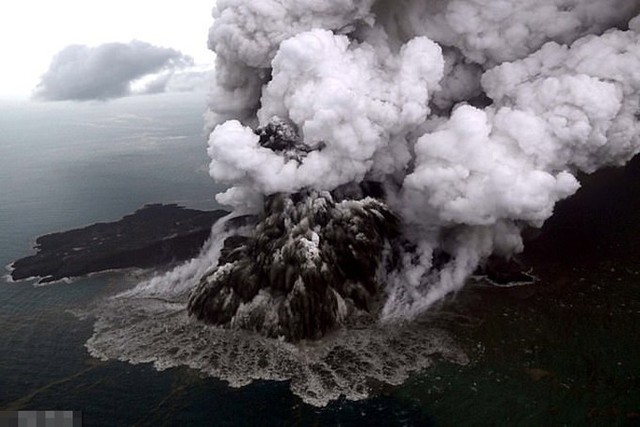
<point>152,236</point>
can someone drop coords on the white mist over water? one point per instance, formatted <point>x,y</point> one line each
<point>178,282</point>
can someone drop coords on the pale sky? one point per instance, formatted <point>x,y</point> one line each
<point>33,31</point>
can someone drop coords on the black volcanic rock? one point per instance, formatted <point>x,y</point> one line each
<point>309,264</point>
<point>154,235</point>
<point>282,137</point>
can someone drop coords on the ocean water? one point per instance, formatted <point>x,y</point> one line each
<point>564,351</point>
<point>66,165</point>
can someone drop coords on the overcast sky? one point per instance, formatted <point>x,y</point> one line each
<point>33,31</point>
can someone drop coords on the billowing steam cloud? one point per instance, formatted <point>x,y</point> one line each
<point>107,71</point>
<point>474,115</point>
<point>385,148</point>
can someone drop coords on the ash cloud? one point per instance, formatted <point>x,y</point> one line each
<point>421,136</point>
<point>82,73</point>
<point>475,116</point>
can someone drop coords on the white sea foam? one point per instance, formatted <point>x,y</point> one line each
<point>150,324</point>
<point>345,363</point>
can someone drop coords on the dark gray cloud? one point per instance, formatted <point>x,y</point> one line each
<point>83,73</point>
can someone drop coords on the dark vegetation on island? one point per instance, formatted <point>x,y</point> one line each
<point>599,222</point>
<point>152,236</point>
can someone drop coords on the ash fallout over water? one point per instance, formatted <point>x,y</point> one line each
<point>385,149</point>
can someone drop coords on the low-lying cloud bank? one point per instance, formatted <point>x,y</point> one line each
<point>114,70</point>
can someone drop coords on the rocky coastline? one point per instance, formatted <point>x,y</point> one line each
<point>154,235</point>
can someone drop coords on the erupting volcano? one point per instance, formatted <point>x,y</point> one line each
<point>472,118</point>
<point>377,153</point>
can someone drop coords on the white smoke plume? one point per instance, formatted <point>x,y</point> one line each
<point>477,115</point>
<point>474,116</point>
